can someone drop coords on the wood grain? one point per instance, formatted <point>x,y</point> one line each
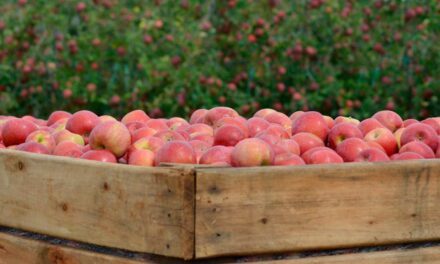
<point>429,255</point>
<point>266,210</point>
<point>17,250</point>
<point>141,209</point>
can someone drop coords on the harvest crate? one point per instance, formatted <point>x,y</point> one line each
<point>134,208</point>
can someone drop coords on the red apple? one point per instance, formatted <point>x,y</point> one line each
<point>342,131</point>
<point>56,116</point>
<point>199,147</point>
<point>256,125</point>
<point>280,119</point>
<point>288,159</point>
<point>33,147</point>
<point>418,147</point>
<point>198,116</point>
<point>42,137</point>
<point>216,155</point>
<point>168,135</point>
<point>217,113</point>
<point>176,152</point>
<point>177,122</point>
<point>295,115</point>
<point>112,136</point>
<point>134,126</point>
<point>434,123</point>
<point>369,124</point>
<point>276,131</point>
<point>141,157</point>
<point>102,155</point>
<point>321,155</point>
<point>15,131</point>
<point>371,155</point>
<point>376,145</point>
<point>389,119</point>
<point>307,141</point>
<point>142,133</point>
<point>420,132</point>
<point>252,152</point>
<point>311,122</point>
<point>407,156</point>
<point>135,116</point>
<point>236,121</point>
<point>228,135</point>
<point>199,129</point>
<point>383,137</point>
<point>68,149</point>
<point>350,148</point>
<point>286,145</point>
<point>82,122</point>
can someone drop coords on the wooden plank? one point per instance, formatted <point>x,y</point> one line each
<point>18,250</point>
<point>141,209</point>
<point>430,255</point>
<point>277,209</point>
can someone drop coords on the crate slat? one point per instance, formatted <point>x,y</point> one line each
<point>140,209</point>
<point>266,210</point>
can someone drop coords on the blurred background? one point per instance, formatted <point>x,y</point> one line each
<point>170,57</point>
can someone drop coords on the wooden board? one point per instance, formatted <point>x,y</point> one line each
<point>135,208</point>
<point>17,250</point>
<point>265,210</point>
<point>429,255</point>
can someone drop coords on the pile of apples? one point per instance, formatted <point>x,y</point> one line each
<point>221,137</point>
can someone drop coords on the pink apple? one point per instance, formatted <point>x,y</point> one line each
<point>157,124</point>
<point>350,148</point>
<point>342,131</point>
<point>288,159</point>
<point>203,137</point>
<point>275,130</point>
<point>198,116</point>
<point>280,119</point>
<point>33,147</point>
<point>343,119</point>
<point>199,147</point>
<point>307,155</point>
<point>199,129</point>
<point>252,152</point>
<point>216,155</point>
<point>236,121</point>
<point>176,122</point>
<point>150,143</point>
<point>66,135</point>
<point>420,132</point>
<point>434,123</point>
<point>112,136</point>
<point>372,155</point>
<point>330,122</point>
<point>376,145</point>
<point>169,135</point>
<point>307,141</point>
<point>15,131</point>
<point>418,147</point>
<point>134,126</point>
<point>141,157</point>
<point>228,135</point>
<point>264,112</point>
<point>311,122</point>
<point>141,133</point>
<point>68,149</point>
<point>102,155</point>
<point>409,122</point>
<point>82,122</point>
<point>217,113</point>
<point>42,137</point>
<point>295,115</point>
<point>369,124</point>
<point>322,156</point>
<point>286,145</point>
<point>389,119</point>
<point>176,152</point>
<point>56,116</point>
<point>135,116</point>
<point>383,137</point>
<point>256,125</point>
<point>407,156</point>
<point>106,118</point>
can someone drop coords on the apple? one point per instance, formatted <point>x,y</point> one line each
<point>33,147</point>
<point>198,116</point>
<point>376,145</point>
<point>15,131</point>
<point>409,122</point>
<point>228,135</point>
<point>112,136</point>
<point>369,124</point>
<point>102,155</point>
<point>407,156</point>
<point>176,122</point>
<point>150,143</point>
<point>276,131</point>
<point>418,147</point>
<point>135,116</point>
<point>82,122</point>
<point>420,132</point>
<point>42,137</point>
<point>350,148</point>
<point>280,119</point>
<point>59,125</point>
<point>199,129</point>
<point>199,147</point>
<point>252,152</point>
<point>286,145</point>
<point>321,155</point>
<point>398,135</point>
<point>330,122</point>
<point>389,119</point>
<point>307,141</point>
<point>203,137</point>
<point>169,135</point>
<point>288,159</point>
<point>343,119</point>
<point>216,155</point>
<point>372,155</point>
<point>264,112</point>
<point>56,116</point>
<point>68,149</point>
<point>306,155</point>
<point>342,131</point>
<point>141,133</point>
<point>176,152</point>
<point>217,113</point>
<point>134,126</point>
<point>105,118</point>
<point>256,125</point>
<point>434,123</point>
<point>311,122</point>
<point>66,135</point>
<point>141,157</point>
<point>383,137</point>
<point>236,121</point>
<point>295,115</point>
<point>157,124</point>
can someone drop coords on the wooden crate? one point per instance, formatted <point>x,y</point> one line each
<point>277,209</point>
<point>134,208</point>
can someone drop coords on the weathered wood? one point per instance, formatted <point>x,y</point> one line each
<point>429,255</point>
<point>17,250</point>
<point>266,210</point>
<point>135,208</point>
